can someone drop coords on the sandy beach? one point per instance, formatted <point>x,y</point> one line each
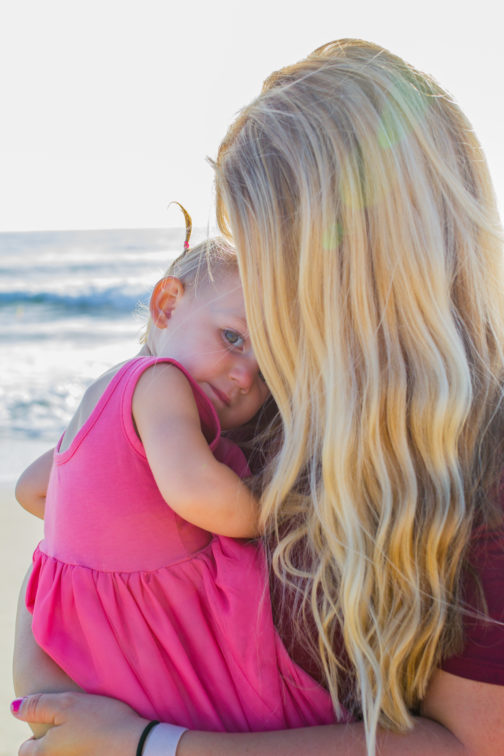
<point>19,532</point>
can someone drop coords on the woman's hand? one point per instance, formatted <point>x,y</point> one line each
<point>80,725</point>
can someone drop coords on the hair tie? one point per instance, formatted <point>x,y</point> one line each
<point>160,739</point>
<point>188,225</point>
<point>143,736</point>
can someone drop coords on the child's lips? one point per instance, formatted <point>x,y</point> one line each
<point>224,398</point>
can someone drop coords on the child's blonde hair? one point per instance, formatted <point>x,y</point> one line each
<point>197,264</point>
<point>370,253</point>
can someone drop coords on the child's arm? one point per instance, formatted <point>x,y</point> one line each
<point>200,489</point>
<point>33,670</point>
<point>31,487</point>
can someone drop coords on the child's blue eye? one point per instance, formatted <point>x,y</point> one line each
<point>233,338</point>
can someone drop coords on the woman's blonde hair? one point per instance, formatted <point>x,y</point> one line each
<point>370,253</point>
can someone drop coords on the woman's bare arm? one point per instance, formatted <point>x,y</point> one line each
<point>461,718</point>
<point>33,670</point>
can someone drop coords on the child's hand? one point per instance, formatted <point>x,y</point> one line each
<point>31,487</point>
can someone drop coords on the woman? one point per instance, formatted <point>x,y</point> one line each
<point>370,253</point>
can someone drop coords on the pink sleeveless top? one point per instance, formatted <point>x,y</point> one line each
<point>135,603</point>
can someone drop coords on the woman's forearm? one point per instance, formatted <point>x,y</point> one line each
<point>461,717</point>
<point>464,718</point>
<point>106,727</point>
<point>427,737</point>
<point>33,670</point>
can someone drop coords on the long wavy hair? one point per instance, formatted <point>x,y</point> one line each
<point>370,251</point>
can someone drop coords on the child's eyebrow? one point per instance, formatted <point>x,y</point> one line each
<point>230,313</point>
<point>237,319</point>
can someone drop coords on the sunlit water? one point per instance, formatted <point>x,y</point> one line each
<point>70,307</point>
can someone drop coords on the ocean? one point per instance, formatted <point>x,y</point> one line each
<point>72,304</point>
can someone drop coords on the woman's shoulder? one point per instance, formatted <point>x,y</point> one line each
<point>485,555</point>
<point>482,658</point>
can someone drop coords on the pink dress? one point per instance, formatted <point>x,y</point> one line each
<point>135,603</point>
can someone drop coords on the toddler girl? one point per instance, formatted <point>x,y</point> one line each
<point>130,593</point>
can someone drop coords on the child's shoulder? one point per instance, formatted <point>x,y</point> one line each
<point>163,380</point>
<point>166,391</point>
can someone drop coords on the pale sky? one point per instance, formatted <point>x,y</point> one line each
<point>110,107</point>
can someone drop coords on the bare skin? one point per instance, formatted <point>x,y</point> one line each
<point>460,717</point>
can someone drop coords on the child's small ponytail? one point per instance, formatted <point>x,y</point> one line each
<point>188,225</point>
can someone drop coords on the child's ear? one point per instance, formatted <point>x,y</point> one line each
<point>164,299</point>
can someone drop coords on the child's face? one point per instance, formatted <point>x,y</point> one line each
<point>207,333</point>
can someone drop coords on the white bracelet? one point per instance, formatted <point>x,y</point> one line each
<point>163,740</point>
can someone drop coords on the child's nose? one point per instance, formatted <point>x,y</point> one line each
<point>244,373</point>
